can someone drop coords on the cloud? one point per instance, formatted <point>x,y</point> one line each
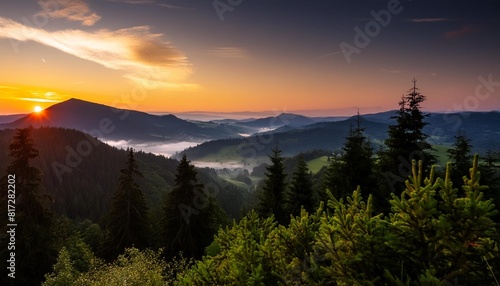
<point>429,20</point>
<point>74,10</point>
<point>144,57</point>
<point>133,2</point>
<point>147,2</point>
<point>393,71</point>
<point>29,94</point>
<point>229,52</point>
<point>460,32</point>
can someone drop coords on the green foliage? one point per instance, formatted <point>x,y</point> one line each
<point>272,199</point>
<point>447,235</point>
<point>351,242</point>
<point>460,157</point>
<point>189,215</point>
<point>435,234</point>
<point>127,223</point>
<point>355,166</point>
<point>406,142</point>
<point>301,193</point>
<point>134,267</point>
<point>34,235</point>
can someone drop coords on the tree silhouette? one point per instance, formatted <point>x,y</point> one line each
<point>355,166</point>
<point>460,157</point>
<point>406,142</point>
<point>34,237</point>
<point>128,218</point>
<point>272,199</point>
<point>189,215</point>
<point>301,192</point>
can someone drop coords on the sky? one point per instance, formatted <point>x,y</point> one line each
<point>315,57</point>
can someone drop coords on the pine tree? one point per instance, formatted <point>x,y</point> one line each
<point>354,169</point>
<point>460,157</point>
<point>272,199</point>
<point>34,246</point>
<point>189,215</point>
<point>301,192</point>
<point>406,142</point>
<point>128,218</point>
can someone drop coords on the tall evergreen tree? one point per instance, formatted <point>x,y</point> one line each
<point>406,142</point>
<point>272,199</point>
<point>34,247</point>
<point>189,215</point>
<point>128,223</point>
<point>460,157</point>
<point>301,192</point>
<point>355,166</point>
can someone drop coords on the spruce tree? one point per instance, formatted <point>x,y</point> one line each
<point>355,166</point>
<point>128,223</point>
<point>34,246</point>
<point>272,199</point>
<point>189,215</point>
<point>406,142</point>
<point>460,157</point>
<point>301,192</point>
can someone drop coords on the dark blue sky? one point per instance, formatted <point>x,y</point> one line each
<point>257,55</point>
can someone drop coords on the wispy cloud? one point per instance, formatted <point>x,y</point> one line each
<point>74,10</point>
<point>29,94</point>
<point>147,2</point>
<point>144,57</point>
<point>460,32</point>
<point>229,52</point>
<point>393,71</point>
<point>429,20</point>
<point>133,2</point>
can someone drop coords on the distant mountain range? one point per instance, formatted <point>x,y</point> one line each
<point>108,123</point>
<point>482,128</point>
<point>294,133</point>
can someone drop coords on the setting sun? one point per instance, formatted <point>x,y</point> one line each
<point>38,109</point>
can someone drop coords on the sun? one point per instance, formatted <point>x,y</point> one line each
<point>38,109</point>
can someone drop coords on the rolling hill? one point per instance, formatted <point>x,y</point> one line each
<point>109,123</point>
<point>482,128</point>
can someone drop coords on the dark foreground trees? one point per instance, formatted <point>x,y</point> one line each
<point>32,222</point>
<point>190,215</point>
<point>128,223</point>
<point>301,193</point>
<point>406,142</point>
<point>355,166</point>
<point>436,234</point>
<point>273,196</point>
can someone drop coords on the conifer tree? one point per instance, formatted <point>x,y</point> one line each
<point>460,157</point>
<point>272,199</point>
<point>354,169</point>
<point>34,246</point>
<point>301,192</point>
<point>189,215</point>
<point>406,142</point>
<point>128,218</point>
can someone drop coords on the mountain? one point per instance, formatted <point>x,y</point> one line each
<point>120,124</point>
<point>10,118</point>
<point>283,119</point>
<point>481,127</point>
<point>322,135</point>
<point>81,173</point>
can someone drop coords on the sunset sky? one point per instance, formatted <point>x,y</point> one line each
<point>249,55</point>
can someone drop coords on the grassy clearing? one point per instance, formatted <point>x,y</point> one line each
<point>316,164</point>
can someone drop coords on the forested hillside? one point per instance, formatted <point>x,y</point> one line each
<point>81,173</point>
